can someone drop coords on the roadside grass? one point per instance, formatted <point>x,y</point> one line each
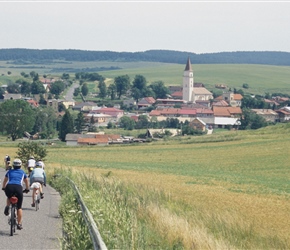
<point>217,194</point>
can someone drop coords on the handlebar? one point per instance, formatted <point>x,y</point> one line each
<point>26,191</point>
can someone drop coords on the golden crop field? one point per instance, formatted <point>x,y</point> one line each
<point>227,190</point>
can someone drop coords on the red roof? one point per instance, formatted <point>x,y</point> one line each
<point>177,94</point>
<point>187,112</point>
<point>238,97</point>
<point>33,103</point>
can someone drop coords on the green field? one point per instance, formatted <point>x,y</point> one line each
<point>228,190</point>
<point>260,78</point>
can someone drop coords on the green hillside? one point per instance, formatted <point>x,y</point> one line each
<point>260,78</point>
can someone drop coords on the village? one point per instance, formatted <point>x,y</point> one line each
<point>191,102</point>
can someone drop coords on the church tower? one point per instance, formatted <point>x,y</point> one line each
<point>187,86</point>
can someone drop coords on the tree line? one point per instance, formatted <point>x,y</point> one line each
<point>167,56</point>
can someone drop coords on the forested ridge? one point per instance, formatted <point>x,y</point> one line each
<point>165,56</point>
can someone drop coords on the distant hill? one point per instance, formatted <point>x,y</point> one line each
<point>166,56</point>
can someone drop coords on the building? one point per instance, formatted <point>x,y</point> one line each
<point>268,114</point>
<point>146,102</point>
<point>190,93</point>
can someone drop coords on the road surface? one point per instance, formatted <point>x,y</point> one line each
<point>42,229</point>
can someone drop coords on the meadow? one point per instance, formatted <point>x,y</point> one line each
<point>228,190</point>
<point>260,78</point>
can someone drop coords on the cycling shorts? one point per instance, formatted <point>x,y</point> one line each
<point>35,185</point>
<point>12,189</point>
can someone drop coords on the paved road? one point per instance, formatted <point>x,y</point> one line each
<point>41,229</point>
<point>69,94</point>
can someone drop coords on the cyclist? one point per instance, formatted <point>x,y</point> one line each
<point>41,162</point>
<point>8,166</point>
<point>37,179</point>
<point>30,164</point>
<point>6,160</point>
<point>12,185</point>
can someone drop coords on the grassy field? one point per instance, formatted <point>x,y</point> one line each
<point>260,78</point>
<point>228,190</point>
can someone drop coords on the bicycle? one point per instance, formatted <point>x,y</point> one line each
<point>37,195</point>
<point>12,218</point>
<point>37,199</point>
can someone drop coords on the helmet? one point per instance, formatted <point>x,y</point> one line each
<point>38,165</point>
<point>31,157</point>
<point>17,163</point>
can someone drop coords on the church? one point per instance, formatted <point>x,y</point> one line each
<point>190,93</point>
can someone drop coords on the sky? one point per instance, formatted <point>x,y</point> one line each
<point>132,26</point>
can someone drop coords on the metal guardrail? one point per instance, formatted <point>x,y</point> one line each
<point>95,235</point>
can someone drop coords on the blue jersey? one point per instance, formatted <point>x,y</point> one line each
<point>15,176</point>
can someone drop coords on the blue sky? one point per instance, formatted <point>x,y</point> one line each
<point>192,26</point>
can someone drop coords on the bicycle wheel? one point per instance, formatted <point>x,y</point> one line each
<point>13,220</point>
<point>36,202</point>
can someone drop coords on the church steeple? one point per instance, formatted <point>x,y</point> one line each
<point>188,65</point>
<point>188,81</point>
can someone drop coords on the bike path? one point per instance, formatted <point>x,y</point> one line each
<point>42,229</point>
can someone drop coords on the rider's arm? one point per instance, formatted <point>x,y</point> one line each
<point>26,183</point>
<point>44,177</point>
<point>5,182</point>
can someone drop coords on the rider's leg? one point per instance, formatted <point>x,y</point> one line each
<point>19,216</point>
<point>7,202</point>
<point>33,195</point>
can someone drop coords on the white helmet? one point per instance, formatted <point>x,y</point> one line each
<point>17,163</point>
<point>38,165</point>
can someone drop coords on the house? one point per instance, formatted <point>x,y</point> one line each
<point>68,104</point>
<point>272,102</point>
<point>280,99</point>
<point>114,112</point>
<point>198,124</point>
<point>284,114</point>
<point>228,99</point>
<point>129,103</point>
<point>177,95</point>
<point>91,139</point>
<point>174,112</point>
<point>72,139</point>
<point>85,106</point>
<point>167,103</point>
<point>9,96</point>
<point>268,114</point>
<point>234,100</point>
<point>146,102</point>
<point>101,119</point>
<point>101,140</point>
<point>220,103</point>
<point>227,111</point>
<point>222,122</point>
<point>33,103</point>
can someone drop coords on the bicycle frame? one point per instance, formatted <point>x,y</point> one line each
<point>13,214</point>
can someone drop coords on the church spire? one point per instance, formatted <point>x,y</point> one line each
<point>188,65</point>
<point>187,86</point>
